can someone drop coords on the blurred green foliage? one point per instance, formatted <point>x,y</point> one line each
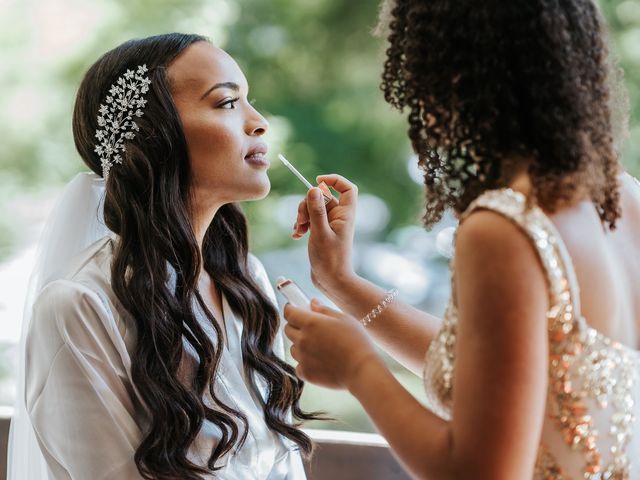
<point>313,67</point>
<point>623,18</point>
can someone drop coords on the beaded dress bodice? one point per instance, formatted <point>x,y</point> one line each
<point>590,430</point>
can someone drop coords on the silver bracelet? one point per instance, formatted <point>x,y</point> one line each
<point>377,310</point>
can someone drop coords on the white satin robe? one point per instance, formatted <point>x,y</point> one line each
<point>81,399</point>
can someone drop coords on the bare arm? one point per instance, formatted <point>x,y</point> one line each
<point>501,364</point>
<point>500,377</point>
<point>402,331</point>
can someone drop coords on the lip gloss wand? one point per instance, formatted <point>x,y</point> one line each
<point>326,193</point>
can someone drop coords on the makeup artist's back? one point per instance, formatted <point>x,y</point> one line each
<point>607,264</point>
<point>590,424</point>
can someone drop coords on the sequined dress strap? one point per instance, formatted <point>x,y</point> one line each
<point>552,252</point>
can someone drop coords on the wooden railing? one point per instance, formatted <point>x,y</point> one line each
<point>339,456</point>
<point>352,456</point>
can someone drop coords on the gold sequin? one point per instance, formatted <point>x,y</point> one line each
<point>588,373</point>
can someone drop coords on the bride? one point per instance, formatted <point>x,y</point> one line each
<point>153,348</point>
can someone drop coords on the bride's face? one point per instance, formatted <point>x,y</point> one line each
<point>223,131</point>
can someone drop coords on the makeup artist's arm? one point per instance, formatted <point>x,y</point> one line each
<point>500,379</point>
<point>403,331</point>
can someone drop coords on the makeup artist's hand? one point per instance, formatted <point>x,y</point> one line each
<point>331,231</point>
<point>330,346</point>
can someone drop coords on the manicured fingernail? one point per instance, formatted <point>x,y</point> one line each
<point>317,194</point>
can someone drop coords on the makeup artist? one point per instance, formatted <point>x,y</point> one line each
<point>533,371</point>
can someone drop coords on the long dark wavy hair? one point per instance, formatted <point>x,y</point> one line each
<point>147,205</point>
<point>486,82</point>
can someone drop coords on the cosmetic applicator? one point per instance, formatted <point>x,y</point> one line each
<point>326,193</point>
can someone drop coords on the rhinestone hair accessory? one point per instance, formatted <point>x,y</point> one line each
<point>116,116</point>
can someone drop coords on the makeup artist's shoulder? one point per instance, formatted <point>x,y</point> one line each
<point>489,236</point>
<point>491,230</point>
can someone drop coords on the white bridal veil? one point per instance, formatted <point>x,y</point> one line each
<point>75,223</point>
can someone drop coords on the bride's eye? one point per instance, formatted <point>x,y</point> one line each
<point>229,104</point>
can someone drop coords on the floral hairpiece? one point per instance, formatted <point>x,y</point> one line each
<point>116,116</point>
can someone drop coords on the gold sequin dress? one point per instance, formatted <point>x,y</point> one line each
<point>591,430</point>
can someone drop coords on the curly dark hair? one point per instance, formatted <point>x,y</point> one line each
<point>489,82</point>
<point>147,205</point>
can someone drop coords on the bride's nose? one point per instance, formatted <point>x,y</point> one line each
<point>257,125</point>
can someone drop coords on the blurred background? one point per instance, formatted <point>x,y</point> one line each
<point>313,68</point>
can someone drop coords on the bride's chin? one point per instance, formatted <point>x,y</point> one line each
<point>261,191</point>
<point>264,192</point>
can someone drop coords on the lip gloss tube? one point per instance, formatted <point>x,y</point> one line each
<point>293,293</point>
<point>326,193</point>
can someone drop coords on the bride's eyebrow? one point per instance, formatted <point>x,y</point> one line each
<point>231,85</point>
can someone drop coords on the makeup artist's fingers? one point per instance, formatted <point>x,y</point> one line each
<point>298,234</point>
<point>292,333</point>
<point>295,354</point>
<point>301,226</point>
<point>318,307</point>
<point>302,220</point>
<point>303,212</point>
<point>341,185</point>
<point>296,317</point>
<point>318,213</point>
<point>337,182</point>
<point>299,231</point>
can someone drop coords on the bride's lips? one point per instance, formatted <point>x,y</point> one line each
<point>257,156</point>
